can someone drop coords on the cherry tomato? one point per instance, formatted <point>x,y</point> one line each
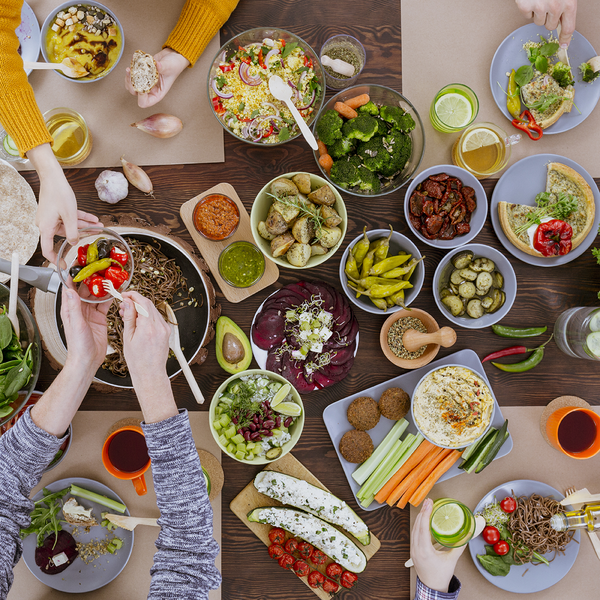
<point>349,579</point>
<point>276,551</point>
<point>287,562</point>
<point>277,535</point>
<point>316,579</point>
<point>508,505</point>
<point>305,549</point>
<point>318,557</point>
<point>330,587</point>
<point>291,545</point>
<point>490,534</point>
<point>334,571</point>
<point>301,568</point>
<point>501,548</point>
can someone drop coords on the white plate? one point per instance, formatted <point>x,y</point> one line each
<point>520,184</point>
<point>510,55</point>
<point>28,33</point>
<point>79,577</point>
<point>528,578</point>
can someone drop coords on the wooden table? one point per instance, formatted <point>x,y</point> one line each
<point>248,572</point>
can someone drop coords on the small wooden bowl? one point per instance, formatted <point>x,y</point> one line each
<point>431,350</point>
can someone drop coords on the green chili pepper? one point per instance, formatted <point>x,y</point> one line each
<point>389,300</point>
<point>382,251</point>
<point>380,303</point>
<point>367,263</point>
<point>403,272</point>
<point>388,264</point>
<point>92,253</point>
<point>96,266</point>
<point>361,248</point>
<point>381,291</point>
<point>518,332</point>
<point>398,299</point>
<point>351,268</point>
<point>525,365</point>
<point>358,290</point>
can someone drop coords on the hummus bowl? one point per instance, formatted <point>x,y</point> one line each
<point>452,406</point>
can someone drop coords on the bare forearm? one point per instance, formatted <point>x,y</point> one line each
<point>44,162</point>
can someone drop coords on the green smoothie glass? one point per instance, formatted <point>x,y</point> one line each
<point>452,524</point>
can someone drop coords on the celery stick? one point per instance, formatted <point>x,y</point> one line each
<point>82,493</point>
<point>362,473</point>
<point>415,444</point>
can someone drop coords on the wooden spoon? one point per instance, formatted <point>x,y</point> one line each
<point>129,523</point>
<point>69,66</point>
<point>413,340</point>
<point>175,345</point>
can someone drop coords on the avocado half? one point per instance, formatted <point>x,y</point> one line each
<point>234,352</point>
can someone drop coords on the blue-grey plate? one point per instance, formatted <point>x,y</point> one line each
<point>79,577</point>
<point>337,424</point>
<point>528,578</point>
<point>28,33</point>
<point>520,184</point>
<point>510,55</point>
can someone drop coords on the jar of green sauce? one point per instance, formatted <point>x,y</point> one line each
<point>241,264</point>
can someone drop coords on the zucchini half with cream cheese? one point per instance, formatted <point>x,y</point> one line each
<point>315,500</point>
<point>317,532</point>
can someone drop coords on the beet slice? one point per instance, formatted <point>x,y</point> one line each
<point>300,289</point>
<point>267,330</point>
<point>322,381</point>
<point>274,362</point>
<point>293,371</point>
<point>44,555</point>
<point>342,355</point>
<point>326,292</point>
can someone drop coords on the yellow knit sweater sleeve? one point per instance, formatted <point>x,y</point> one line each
<point>19,113</point>
<point>198,23</point>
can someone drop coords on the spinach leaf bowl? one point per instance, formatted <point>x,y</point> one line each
<point>29,334</point>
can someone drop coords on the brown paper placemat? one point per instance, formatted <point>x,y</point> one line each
<point>84,460</point>
<point>454,42</point>
<point>109,109</point>
<point>531,458</point>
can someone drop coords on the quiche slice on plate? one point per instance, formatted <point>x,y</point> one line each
<point>560,178</point>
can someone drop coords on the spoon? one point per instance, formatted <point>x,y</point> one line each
<point>14,292</point>
<point>108,286</point>
<point>413,340</point>
<point>175,345</point>
<point>283,92</point>
<point>129,523</point>
<point>479,527</point>
<point>69,66</point>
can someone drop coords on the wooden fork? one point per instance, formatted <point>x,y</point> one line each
<point>576,506</point>
<point>129,523</point>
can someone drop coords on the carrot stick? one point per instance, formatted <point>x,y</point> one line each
<point>345,110</point>
<point>357,101</point>
<point>430,467</point>
<point>423,449</point>
<point>421,492</point>
<point>417,474</point>
<point>326,162</point>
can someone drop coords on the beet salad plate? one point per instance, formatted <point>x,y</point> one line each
<point>307,333</point>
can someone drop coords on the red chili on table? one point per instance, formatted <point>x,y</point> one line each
<point>305,549</point>
<point>276,551</point>
<point>334,571</point>
<point>316,579</point>
<point>291,545</point>
<point>287,562</point>
<point>301,568</point>
<point>318,557</point>
<point>330,587</point>
<point>349,579</point>
<point>553,238</point>
<point>277,535</point>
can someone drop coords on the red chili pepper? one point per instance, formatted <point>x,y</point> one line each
<point>82,255</point>
<point>95,286</point>
<point>510,351</point>
<point>266,134</point>
<point>119,255</point>
<point>308,62</point>
<point>261,60</point>
<point>526,122</point>
<point>553,238</point>
<point>282,42</point>
<point>117,276</point>
<point>226,68</point>
<point>218,105</point>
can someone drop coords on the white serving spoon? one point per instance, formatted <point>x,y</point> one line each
<point>69,66</point>
<point>14,293</point>
<point>175,345</point>
<point>283,92</point>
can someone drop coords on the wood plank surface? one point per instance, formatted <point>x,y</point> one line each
<point>248,572</point>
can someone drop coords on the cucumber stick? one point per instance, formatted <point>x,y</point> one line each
<point>470,464</point>
<point>489,456</point>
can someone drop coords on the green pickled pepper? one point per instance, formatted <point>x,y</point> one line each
<point>380,303</point>
<point>361,248</point>
<point>383,249</point>
<point>351,268</point>
<point>388,264</point>
<point>367,263</point>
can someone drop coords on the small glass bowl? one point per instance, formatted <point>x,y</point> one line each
<point>203,203</point>
<point>352,45</point>
<point>228,254</point>
<point>68,255</point>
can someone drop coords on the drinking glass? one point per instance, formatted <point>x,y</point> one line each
<point>72,138</point>
<point>457,533</point>
<point>454,107</point>
<point>577,332</point>
<point>8,151</point>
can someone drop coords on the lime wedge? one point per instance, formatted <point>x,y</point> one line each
<point>593,343</point>
<point>447,520</point>
<point>454,110</point>
<point>207,479</point>
<point>289,409</point>
<point>62,134</point>
<point>479,138</point>
<point>10,146</point>
<point>595,322</point>
<point>280,395</point>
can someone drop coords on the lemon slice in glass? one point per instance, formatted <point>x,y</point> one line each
<point>448,519</point>
<point>479,138</point>
<point>63,134</point>
<point>283,391</point>
<point>454,110</point>
<point>593,343</point>
<point>289,409</point>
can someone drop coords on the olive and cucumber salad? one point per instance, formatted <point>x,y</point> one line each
<point>253,416</point>
<point>473,287</point>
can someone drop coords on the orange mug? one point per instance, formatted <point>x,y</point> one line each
<point>125,455</point>
<point>574,431</point>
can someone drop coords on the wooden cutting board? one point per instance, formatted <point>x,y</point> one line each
<point>210,250</point>
<point>249,498</point>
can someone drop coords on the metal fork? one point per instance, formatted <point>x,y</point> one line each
<point>576,506</point>
<point>110,288</point>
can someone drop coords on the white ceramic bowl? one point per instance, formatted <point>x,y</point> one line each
<point>397,242</point>
<point>502,265</point>
<point>477,218</point>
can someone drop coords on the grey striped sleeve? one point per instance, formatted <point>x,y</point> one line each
<point>184,565</point>
<point>25,451</point>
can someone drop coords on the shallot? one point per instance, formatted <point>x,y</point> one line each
<point>137,177</point>
<point>160,125</point>
<point>111,186</point>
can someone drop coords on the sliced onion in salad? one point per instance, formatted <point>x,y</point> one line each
<point>270,105</point>
<point>218,92</point>
<point>270,54</point>
<point>246,77</point>
<point>309,104</point>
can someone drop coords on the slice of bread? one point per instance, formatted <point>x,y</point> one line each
<point>143,72</point>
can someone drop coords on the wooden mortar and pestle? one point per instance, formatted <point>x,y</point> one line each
<point>413,340</point>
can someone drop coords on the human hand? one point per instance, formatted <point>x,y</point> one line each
<point>170,65</point>
<point>85,329</point>
<point>550,13</point>
<point>435,568</point>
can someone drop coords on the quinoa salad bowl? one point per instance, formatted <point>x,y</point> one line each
<point>238,85</point>
<point>256,416</point>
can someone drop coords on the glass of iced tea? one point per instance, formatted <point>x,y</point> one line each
<point>454,107</point>
<point>72,138</point>
<point>452,524</point>
<point>483,149</point>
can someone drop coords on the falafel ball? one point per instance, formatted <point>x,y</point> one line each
<point>356,446</point>
<point>363,413</point>
<point>394,404</point>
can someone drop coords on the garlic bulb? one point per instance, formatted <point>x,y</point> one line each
<point>112,186</point>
